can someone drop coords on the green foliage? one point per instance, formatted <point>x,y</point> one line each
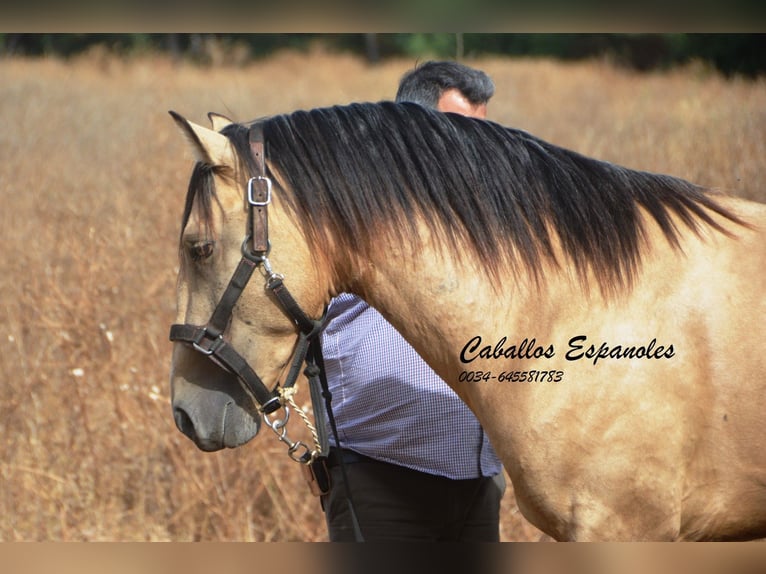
<point>731,54</point>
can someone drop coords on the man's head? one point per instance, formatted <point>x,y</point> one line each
<point>448,87</point>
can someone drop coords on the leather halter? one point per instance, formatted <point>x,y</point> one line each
<point>209,339</point>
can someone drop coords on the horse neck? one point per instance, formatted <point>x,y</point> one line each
<point>439,297</point>
<point>435,298</point>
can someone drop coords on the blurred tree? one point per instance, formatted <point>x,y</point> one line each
<point>732,54</point>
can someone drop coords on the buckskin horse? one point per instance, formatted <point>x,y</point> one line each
<point>605,324</point>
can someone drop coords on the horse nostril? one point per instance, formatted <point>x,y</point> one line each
<point>184,422</point>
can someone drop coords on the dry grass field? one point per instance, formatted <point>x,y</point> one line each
<point>92,180</point>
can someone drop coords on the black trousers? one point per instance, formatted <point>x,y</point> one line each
<point>396,504</point>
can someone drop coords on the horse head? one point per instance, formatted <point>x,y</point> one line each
<point>228,326</point>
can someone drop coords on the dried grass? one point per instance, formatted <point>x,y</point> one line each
<point>92,181</point>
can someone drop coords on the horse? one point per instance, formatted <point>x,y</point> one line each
<point>605,324</point>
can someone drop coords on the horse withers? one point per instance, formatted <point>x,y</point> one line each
<point>606,325</point>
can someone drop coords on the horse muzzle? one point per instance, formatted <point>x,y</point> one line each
<point>209,405</point>
<point>215,422</point>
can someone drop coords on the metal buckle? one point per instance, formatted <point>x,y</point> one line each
<point>250,198</point>
<point>216,342</point>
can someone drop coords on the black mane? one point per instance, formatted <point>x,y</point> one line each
<point>353,172</point>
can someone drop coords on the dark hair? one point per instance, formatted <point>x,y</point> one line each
<point>494,193</point>
<point>426,83</point>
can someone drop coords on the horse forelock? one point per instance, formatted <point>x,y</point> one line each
<point>200,196</point>
<point>350,173</point>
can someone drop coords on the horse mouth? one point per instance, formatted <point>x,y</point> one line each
<point>208,445</point>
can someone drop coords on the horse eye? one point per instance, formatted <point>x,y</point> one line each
<point>200,250</point>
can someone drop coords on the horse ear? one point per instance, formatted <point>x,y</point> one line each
<point>209,146</point>
<point>218,121</point>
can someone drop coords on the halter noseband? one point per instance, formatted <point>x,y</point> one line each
<point>209,339</point>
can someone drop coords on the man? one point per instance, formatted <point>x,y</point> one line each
<point>418,463</point>
<point>447,87</point>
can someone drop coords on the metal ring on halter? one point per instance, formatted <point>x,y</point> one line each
<point>277,424</point>
<point>247,253</point>
<point>270,406</point>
